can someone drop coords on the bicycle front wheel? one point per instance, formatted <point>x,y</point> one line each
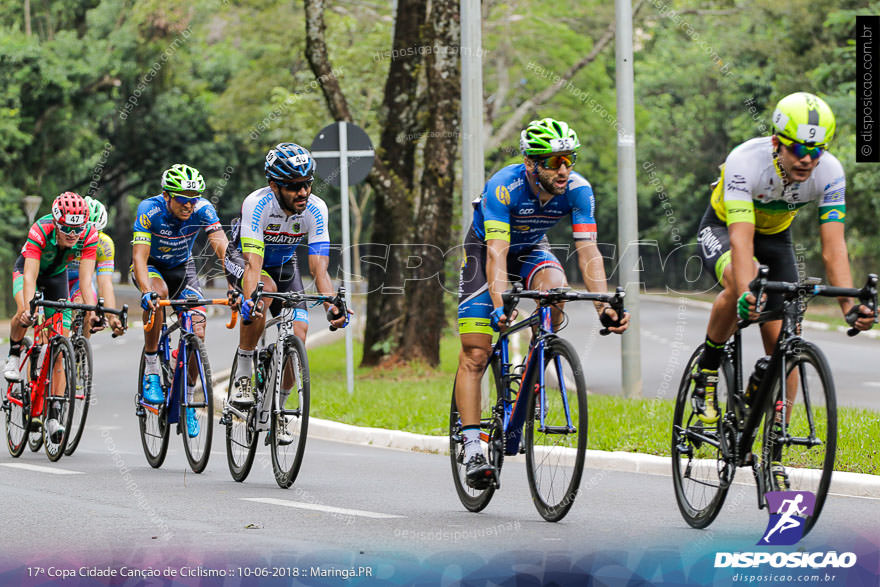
<point>241,431</point>
<point>18,407</point>
<point>798,449</point>
<point>62,377</point>
<point>197,411</point>
<point>556,430</point>
<point>82,351</point>
<point>700,472</point>
<point>290,411</point>
<point>153,424</point>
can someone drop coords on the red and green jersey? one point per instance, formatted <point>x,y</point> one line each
<point>42,244</point>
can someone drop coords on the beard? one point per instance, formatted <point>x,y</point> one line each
<point>549,187</point>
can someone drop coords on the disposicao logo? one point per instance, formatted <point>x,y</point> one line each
<point>788,516</point>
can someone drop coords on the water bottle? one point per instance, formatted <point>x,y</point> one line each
<point>756,377</point>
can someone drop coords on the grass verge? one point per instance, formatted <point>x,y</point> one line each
<point>416,398</point>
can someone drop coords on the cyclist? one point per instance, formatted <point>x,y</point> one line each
<point>165,230</point>
<point>274,219</point>
<point>50,247</point>
<point>507,241</point>
<point>763,184</point>
<point>104,266</point>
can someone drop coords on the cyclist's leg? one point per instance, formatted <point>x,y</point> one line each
<point>540,269</point>
<point>152,383</point>
<point>288,279</point>
<point>16,329</point>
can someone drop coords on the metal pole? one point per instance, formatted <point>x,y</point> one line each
<point>626,198</point>
<point>472,177</point>
<point>346,248</point>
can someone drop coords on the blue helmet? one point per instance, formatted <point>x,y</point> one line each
<point>289,162</point>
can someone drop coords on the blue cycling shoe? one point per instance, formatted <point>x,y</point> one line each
<point>153,389</point>
<point>192,423</point>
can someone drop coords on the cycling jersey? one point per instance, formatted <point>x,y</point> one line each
<point>508,210</point>
<point>268,231</point>
<point>751,189</point>
<point>104,260</point>
<point>171,239</point>
<point>42,244</point>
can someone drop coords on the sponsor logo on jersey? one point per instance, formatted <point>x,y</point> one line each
<point>145,220</point>
<point>165,232</point>
<point>515,184</point>
<point>233,268</point>
<point>526,211</point>
<point>521,227</point>
<point>165,249</point>
<point>502,195</point>
<point>281,239</point>
<point>736,187</point>
<point>737,178</point>
<point>273,227</point>
<point>710,243</point>
<point>834,182</point>
<point>295,227</point>
<point>833,215</point>
<point>258,209</point>
<point>319,218</point>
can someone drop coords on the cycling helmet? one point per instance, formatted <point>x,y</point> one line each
<point>804,118</point>
<point>547,136</point>
<point>97,213</point>
<point>182,178</point>
<point>289,162</point>
<point>69,209</point>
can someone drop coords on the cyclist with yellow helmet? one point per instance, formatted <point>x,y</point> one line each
<point>764,183</point>
<point>507,242</point>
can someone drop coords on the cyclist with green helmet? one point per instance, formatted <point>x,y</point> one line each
<point>165,229</point>
<point>764,182</point>
<point>507,242</point>
<point>104,266</point>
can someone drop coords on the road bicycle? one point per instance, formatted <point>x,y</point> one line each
<point>48,366</point>
<point>185,374</point>
<point>281,387</point>
<point>783,425</point>
<point>540,408</point>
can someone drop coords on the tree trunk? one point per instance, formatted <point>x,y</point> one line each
<point>122,225</point>
<point>424,311</point>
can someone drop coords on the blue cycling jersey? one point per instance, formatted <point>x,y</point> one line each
<point>508,210</point>
<point>171,240</point>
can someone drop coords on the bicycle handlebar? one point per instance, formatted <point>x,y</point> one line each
<point>229,300</point>
<point>563,294</point>
<point>292,297</point>
<point>99,309</point>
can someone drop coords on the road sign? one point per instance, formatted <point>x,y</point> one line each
<point>342,146</point>
<point>344,154</point>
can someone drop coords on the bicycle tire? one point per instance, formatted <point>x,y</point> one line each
<point>807,468</point>
<point>292,422</point>
<point>35,436</point>
<point>241,433</point>
<point>700,490</point>
<point>82,350</point>
<point>18,418</point>
<point>548,463</point>
<point>473,500</point>
<point>152,423</point>
<point>198,447</point>
<point>59,349</point>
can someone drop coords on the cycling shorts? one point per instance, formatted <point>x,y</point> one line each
<point>181,281</point>
<point>776,251</point>
<point>474,302</point>
<point>286,277</point>
<point>54,288</point>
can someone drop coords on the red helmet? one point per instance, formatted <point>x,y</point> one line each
<point>70,209</point>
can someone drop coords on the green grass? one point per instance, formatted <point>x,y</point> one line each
<point>416,398</point>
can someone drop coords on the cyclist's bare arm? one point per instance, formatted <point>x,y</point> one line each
<point>86,271</point>
<point>253,267</point>
<point>496,269</point>
<point>140,254</point>
<point>592,268</point>
<point>29,287</point>
<point>105,290</point>
<point>742,252</point>
<point>318,265</point>
<point>218,241</point>
<point>836,259</point>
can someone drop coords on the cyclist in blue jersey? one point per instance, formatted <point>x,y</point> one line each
<point>507,241</point>
<point>165,230</point>
<point>274,220</point>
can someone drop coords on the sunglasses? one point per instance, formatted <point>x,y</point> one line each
<point>556,161</point>
<point>800,150</point>
<point>297,185</point>
<point>182,199</point>
<point>70,230</point>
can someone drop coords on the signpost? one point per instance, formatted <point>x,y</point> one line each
<point>344,155</point>
<point>31,205</point>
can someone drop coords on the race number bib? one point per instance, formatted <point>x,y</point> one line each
<point>566,144</point>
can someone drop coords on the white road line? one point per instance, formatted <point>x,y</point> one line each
<point>872,383</point>
<point>41,469</point>
<point>320,508</point>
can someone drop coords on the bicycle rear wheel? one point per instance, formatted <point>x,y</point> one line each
<point>60,354</point>
<point>241,431</point>
<point>555,450</point>
<point>35,437</point>
<point>289,422</point>
<point>18,407</point>
<point>200,399</point>
<point>152,422</point>
<point>806,445</point>
<point>82,350</point>
<point>700,472</point>
<point>472,499</point>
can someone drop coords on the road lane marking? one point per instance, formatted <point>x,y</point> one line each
<point>872,383</point>
<point>42,469</point>
<point>320,508</point>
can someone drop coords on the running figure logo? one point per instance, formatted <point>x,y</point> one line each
<point>788,512</point>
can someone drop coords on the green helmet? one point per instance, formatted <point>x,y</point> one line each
<point>547,136</point>
<point>182,178</point>
<point>804,118</point>
<point>97,213</point>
